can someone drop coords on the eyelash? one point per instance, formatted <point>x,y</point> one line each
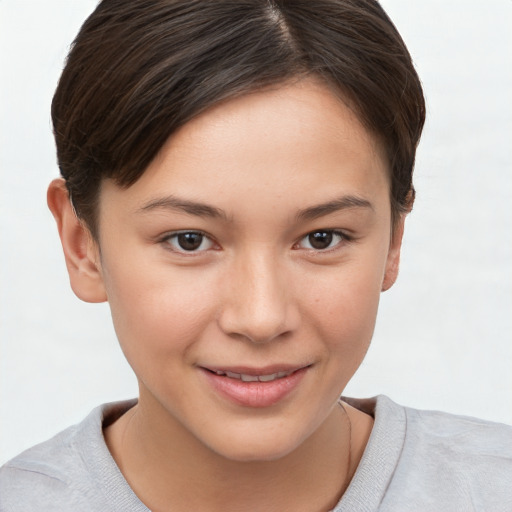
<point>343,237</point>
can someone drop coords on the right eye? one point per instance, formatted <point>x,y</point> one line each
<point>188,242</point>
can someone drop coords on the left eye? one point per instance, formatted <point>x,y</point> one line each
<point>189,241</point>
<point>321,240</point>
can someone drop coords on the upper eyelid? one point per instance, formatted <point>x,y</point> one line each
<point>170,234</point>
<point>335,231</point>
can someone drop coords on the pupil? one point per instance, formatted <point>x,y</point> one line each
<point>320,239</point>
<point>190,241</point>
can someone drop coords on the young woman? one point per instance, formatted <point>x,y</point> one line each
<point>235,180</point>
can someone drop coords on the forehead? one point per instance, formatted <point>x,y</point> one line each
<point>295,142</point>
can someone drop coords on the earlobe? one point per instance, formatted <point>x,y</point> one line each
<point>393,259</point>
<point>80,249</point>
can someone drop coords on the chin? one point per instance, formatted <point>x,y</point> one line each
<point>256,453</point>
<point>256,445</point>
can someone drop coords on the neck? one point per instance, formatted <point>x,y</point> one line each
<point>169,469</point>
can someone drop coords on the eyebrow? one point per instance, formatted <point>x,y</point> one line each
<point>205,210</point>
<point>182,205</point>
<point>341,203</point>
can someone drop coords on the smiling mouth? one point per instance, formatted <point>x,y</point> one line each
<point>255,387</point>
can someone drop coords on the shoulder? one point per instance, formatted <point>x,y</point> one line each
<point>56,475</point>
<point>430,461</point>
<point>467,444</point>
<point>440,431</point>
<point>455,460</point>
<point>460,434</point>
<point>41,476</point>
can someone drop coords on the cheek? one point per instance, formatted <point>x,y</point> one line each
<point>157,312</point>
<point>343,307</point>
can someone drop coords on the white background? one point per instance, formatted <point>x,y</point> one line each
<point>443,337</point>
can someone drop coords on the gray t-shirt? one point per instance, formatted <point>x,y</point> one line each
<point>419,461</point>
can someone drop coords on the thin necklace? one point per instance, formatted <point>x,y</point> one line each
<point>349,463</point>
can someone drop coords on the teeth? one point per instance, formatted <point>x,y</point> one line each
<point>253,378</point>
<point>267,378</point>
<point>249,378</point>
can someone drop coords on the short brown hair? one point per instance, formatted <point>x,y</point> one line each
<point>140,69</point>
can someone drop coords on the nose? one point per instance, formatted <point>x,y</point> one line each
<point>259,305</point>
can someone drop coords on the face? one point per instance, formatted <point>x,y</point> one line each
<point>244,268</point>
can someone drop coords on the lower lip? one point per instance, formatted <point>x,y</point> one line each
<point>255,394</point>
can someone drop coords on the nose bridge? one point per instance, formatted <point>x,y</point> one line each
<point>259,306</point>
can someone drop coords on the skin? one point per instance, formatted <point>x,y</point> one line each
<point>266,170</point>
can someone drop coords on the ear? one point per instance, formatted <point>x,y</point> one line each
<point>393,259</point>
<point>80,249</point>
